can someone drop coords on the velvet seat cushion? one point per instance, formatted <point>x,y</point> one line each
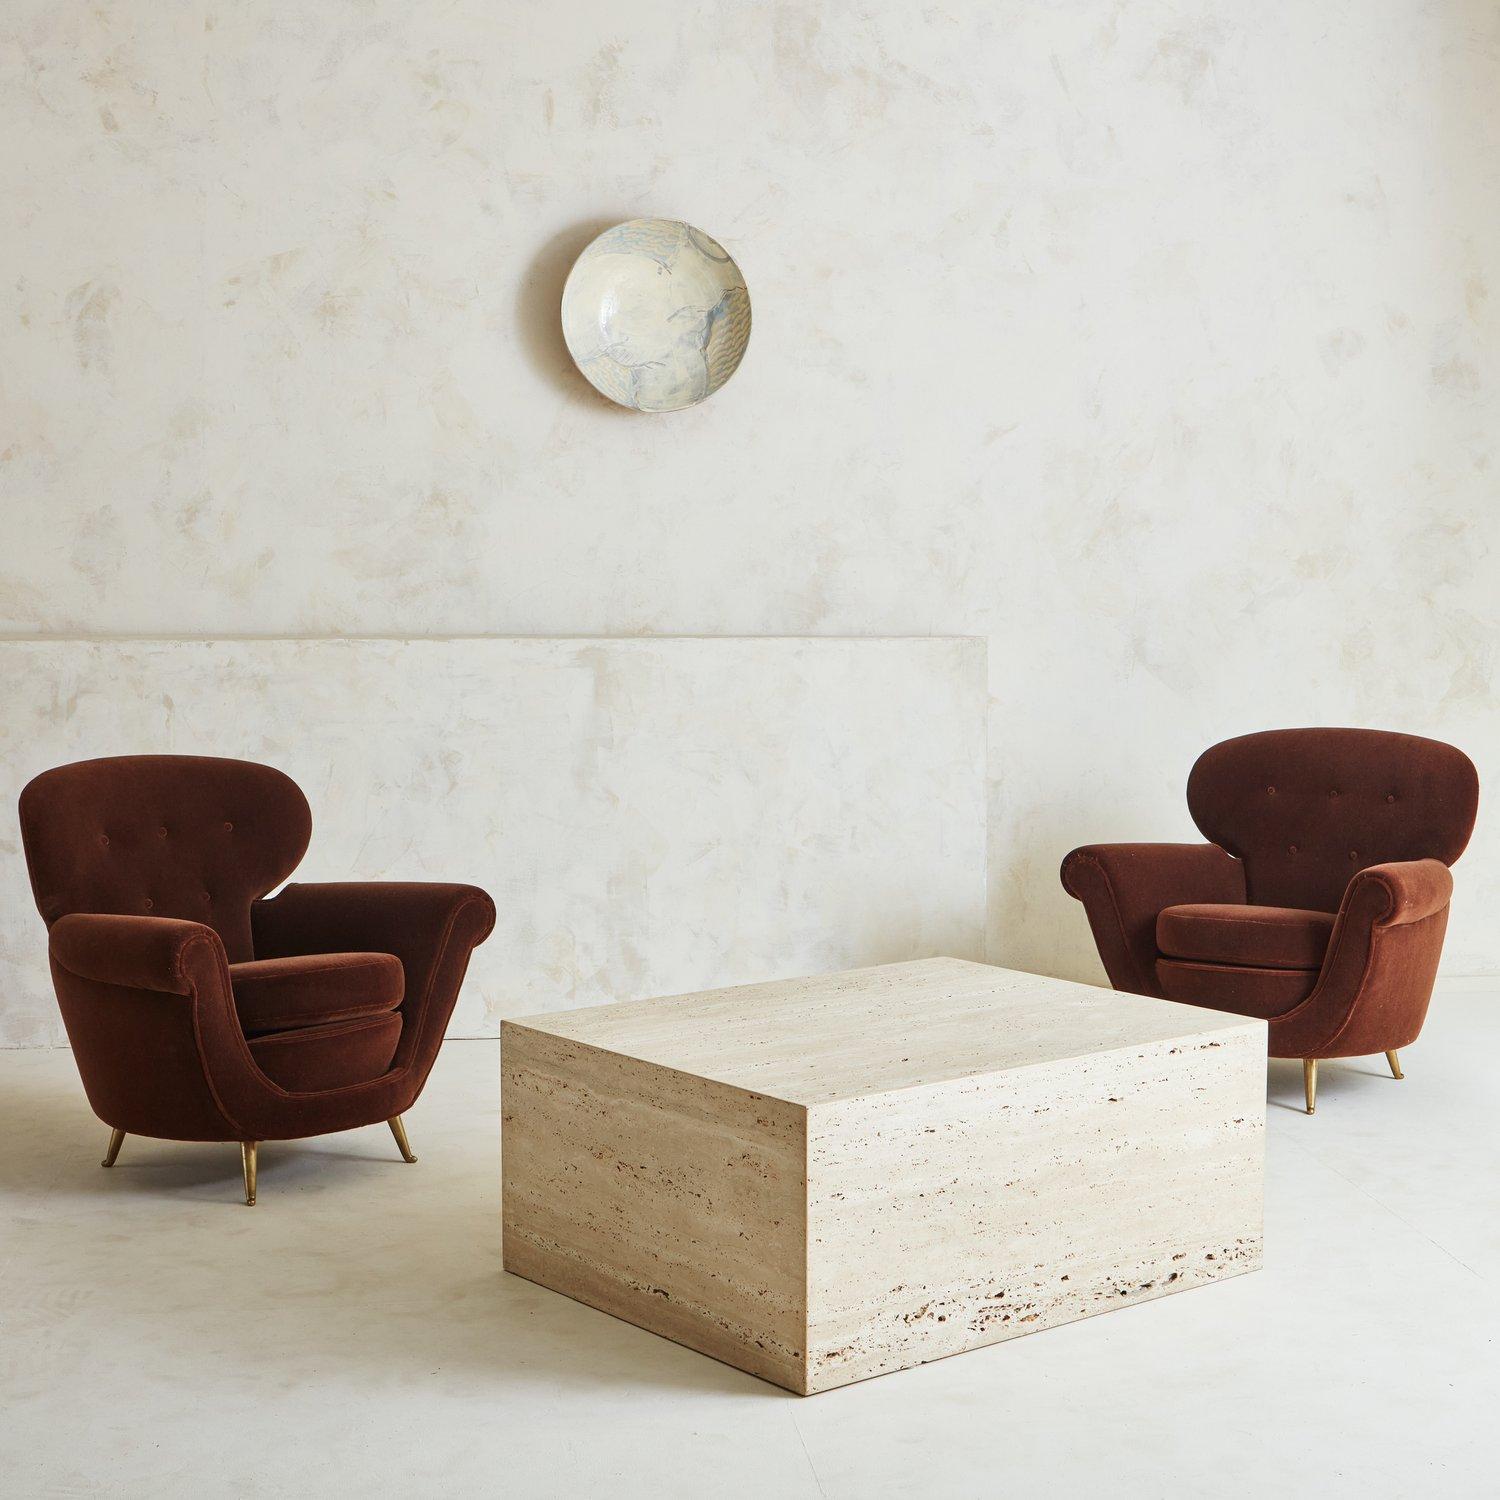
<point>337,1056</point>
<point>1259,937</point>
<point>1265,993</point>
<point>316,989</point>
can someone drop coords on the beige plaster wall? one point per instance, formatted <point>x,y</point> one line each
<point>1158,342</point>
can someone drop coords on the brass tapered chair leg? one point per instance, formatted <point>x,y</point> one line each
<point>398,1129</point>
<point>248,1151</point>
<point>116,1137</point>
<point>1394,1059</point>
<point>1310,1082</point>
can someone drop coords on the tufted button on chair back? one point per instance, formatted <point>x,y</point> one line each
<point>163,835</point>
<point>1307,809</point>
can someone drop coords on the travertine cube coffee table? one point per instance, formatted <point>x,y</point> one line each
<point>825,1179</point>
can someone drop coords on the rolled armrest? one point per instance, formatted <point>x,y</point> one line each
<point>138,952</point>
<point>1403,891</point>
<point>1382,960</point>
<point>1124,887</point>
<point>431,928</point>
<point>379,916</point>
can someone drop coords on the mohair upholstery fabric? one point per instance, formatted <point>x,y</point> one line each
<point>328,1057</point>
<point>432,928</point>
<point>1124,888</point>
<point>1306,809</point>
<point>1377,979</point>
<point>1234,987</point>
<point>143,971</point>
<point>1270,937</point>
<point>1358,825</point>
<point>163,836</point>
<point>315,989</point>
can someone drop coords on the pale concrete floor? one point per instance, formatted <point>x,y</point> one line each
<point>354,1334</point>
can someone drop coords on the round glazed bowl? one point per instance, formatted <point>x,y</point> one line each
<point>656,314</point>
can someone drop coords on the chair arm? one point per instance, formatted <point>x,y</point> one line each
<point>390,916</point>
<point>164,954</point>
<point>152,1023</point>
<point>1403,891</point>
<point>1124,887</point>
<point>431,928</point>
<point>1382,960</point>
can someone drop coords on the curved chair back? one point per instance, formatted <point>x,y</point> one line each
<point>1307,809</point>
<point>163,835</point>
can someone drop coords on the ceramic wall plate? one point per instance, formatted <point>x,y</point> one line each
<point>656,314</point>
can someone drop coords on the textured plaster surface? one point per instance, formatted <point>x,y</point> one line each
<point>820,1180</point>
<point>649,815</point>
<point>1159,343</point>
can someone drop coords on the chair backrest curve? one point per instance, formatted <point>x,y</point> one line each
<point>1307,809</point>
<point>163,835</point>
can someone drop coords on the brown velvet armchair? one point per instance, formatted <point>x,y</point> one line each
<point>198,1011</point>
<point>1320,904</point>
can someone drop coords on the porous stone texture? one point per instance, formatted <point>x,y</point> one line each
<point>676,1202</point>
<point>825,1179</point>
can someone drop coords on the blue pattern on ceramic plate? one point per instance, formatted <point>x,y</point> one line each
<point>656,314</point>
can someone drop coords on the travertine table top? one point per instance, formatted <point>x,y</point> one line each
<point>868,1031</point>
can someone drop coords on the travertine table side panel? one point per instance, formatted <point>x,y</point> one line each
<point>674,1202</point>
<point>947,1217</point>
